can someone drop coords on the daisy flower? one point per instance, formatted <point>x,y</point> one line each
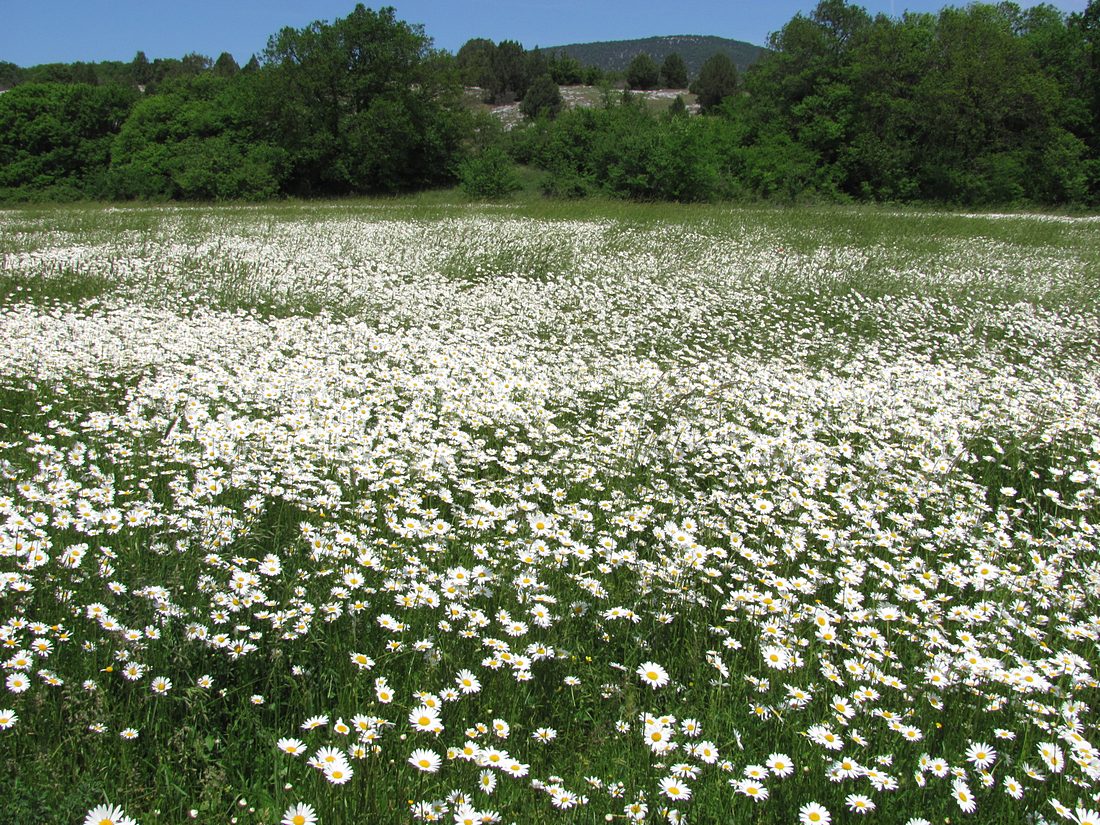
<point>691,727</point>
<point>981,754</point>
<point>706,751</point>
<point>314,722</point>
<point>17,682</point>
<point>161,685</point>
<point>487,781</point>
<point>426,760</point>
<point>963,795</point>
<point>362,661</point>
<point>338,772</point>
<point>327,756</point>
<point>674,789</point>
<point>425,718</point>
<point>780,764</point>
<point>652,674</point>
<point>544,734</point>
<point>107,815</point>
<point>858,803</point>
<point>295,747</point>
<point>466,814</point>
<point>750,788</point>
<point>7,718</point>
<point>467,682</point>
<point>300,814</point>
<point>814,814</point>
<point>1053,756</point>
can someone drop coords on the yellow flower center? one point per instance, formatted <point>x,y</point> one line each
<point>299,819</point>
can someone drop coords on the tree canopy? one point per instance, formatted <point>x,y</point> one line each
<point>643,72</point>
<point>674,72</point>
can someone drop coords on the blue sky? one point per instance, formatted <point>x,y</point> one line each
<point>46,31</point>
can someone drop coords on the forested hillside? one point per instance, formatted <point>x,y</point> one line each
<point>987,104</point>
<point>615,56</point>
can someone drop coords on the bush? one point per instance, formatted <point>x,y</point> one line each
<point>55,139</point>
<point>643,72</point>
<point>717,80</point>
<point>488,176</point>
<point>674,72</point>
<point>196,142</point>
<point>543,98</point>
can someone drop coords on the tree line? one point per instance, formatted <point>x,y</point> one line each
<point>986,104</point>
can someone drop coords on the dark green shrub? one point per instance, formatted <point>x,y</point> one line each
<point>489,175</point>
<point>543,99</point>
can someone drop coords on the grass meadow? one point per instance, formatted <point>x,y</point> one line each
<point>418,511</point>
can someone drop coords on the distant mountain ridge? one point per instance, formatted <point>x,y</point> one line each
<point>615,55</point>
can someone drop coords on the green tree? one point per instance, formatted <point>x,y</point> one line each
<point>363,104</point>
<point>642,73</point>
<point>566,70</point>
<point>717,80</point>
<point>10,75</point>
<point>225,65</point>
<point>475,62</point>
<point>1087,26</point>
<point>85,73</point>
<point>198,139</point>
<point>543,98</point>
<point>488,175</point>
<point>509,78</point>
<point>988,111</point>
<point>55,139</point>
<point>674,72</point>
<point>194,64</point>
<point>592,76</point>
<point>141,71</point>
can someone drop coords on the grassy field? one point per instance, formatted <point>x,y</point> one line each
<point>415,510</point>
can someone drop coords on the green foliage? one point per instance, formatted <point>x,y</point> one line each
<point>141,72</point>
<point>566,69</point>
<point>717,80</point>
<point>543,98</point>
<point>362,105</point>
<point>197,141</point>
<point>10,75</point>
<point>55,139</point>
<point>982,104</point>
<point>475,62</point>
<point>625,151</point>
<point>615,56</point>
<point>642,73</point>
<point>225,65</point>
<point>674,72</point>
<point>488,175</point>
